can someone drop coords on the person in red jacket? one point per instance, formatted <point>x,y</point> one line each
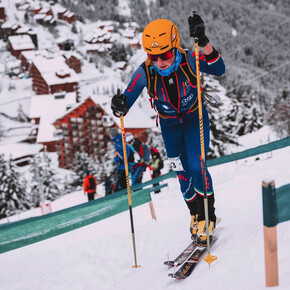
<point>90,185</point>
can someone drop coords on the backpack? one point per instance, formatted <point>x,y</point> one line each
<point>130,152</point>
<point>92,183</point>
<point>146,153</point>
<point>138,146</point>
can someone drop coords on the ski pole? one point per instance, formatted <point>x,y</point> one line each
<point>128,189</point>
<point>209,258</point>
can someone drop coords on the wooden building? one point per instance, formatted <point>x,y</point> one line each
<point>8,29</point>
<point>66,15</point>
<point>70,17</point>
<point>66,44</point>
<point>26,57</point>
<point>52,75</point>
<point>82,130</point>
<point>20,43</point>
<point>73,61</point>
<point>2,14</point>
<point>44,110</point>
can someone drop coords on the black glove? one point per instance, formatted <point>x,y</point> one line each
<point>119,104</point>
<point>197,29</point>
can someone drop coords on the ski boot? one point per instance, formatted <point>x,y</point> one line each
<point>193,226</point>
<point>201,232</point>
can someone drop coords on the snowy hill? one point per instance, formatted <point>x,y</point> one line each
<point>100,256</point>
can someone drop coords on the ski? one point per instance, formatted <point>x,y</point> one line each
<point>186,252</point>
<point>183,256</point>
<point>188,266</point>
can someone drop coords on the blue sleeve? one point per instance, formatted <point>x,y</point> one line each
<point>210,65</point>
<point>137,83</point>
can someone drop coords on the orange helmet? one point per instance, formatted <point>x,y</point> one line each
<point>160,36</point>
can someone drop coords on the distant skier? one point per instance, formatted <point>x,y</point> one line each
<point>90,185</point>
<point>156,164</point>
<point>142,153</point>
<point>169,73</point>
<point>119,159</point>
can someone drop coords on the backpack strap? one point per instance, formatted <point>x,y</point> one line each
<point>186,69</point>
<point>151,76</point>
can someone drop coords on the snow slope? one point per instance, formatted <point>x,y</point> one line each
<point>100,256</point>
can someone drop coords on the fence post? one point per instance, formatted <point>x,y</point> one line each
<point>270,220</point>
<point>152,210</point>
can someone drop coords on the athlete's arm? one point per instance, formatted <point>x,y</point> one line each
<point>137,83</point>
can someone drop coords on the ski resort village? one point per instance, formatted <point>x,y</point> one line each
<point>64,221</point>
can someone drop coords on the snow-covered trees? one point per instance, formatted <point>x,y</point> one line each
<point>45,184</point>
<point>245,116</point>
<point>118,52</point>
<point>79,170</point>
<point>280,114</point>
<point>139,12</point>
<point>13,198</point>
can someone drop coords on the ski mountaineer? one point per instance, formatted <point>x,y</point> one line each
<point>169,74</point>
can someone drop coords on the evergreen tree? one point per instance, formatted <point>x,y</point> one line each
<point>118,52</point>
<point>139,13</point>
<point>74,28</point>
<point>26,17</point>
<point>245,115</point>
<point>80,165</point>
<point>13,198</point>
<point>45,184</point>
<point>220,137</point>
<point>21,115</point>
<point>279,117</point>
<point>155,140</point>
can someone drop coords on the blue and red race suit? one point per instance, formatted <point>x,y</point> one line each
<point>176,103</point>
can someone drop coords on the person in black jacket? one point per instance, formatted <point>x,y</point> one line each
<point>156,164</point>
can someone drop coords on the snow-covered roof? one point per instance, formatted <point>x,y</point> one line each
<point>96,34</point>
<point>100,47</point>
<point>105,23</point>
<point>68,53</point>
<point>31,54</point>
<point>39,16</point>
<point>69,14</point>
<point>128,33</point>
<point>48,18</point>
<point>7,24</point>
<point>20,42</point>
<point>48,109</point>
<point>13,64</point>
<point>119,64</point>
<point>24,6</point>
<point>131,25</point>
<point>44,10</point>
<point>17,150</point>
<point>23,29</point>
<point>50,67</point>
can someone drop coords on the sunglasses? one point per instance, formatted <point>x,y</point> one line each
<point>164,56</point>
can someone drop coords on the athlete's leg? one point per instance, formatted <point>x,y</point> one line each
<point>193,149</point>
<point>173,136</point>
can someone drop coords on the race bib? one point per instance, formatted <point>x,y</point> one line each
<point>175,163</point>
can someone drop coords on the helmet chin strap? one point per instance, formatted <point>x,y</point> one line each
<point>172,68</point>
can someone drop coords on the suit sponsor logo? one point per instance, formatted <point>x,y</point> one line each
<point>138,76</point>
<point>185,100</point>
